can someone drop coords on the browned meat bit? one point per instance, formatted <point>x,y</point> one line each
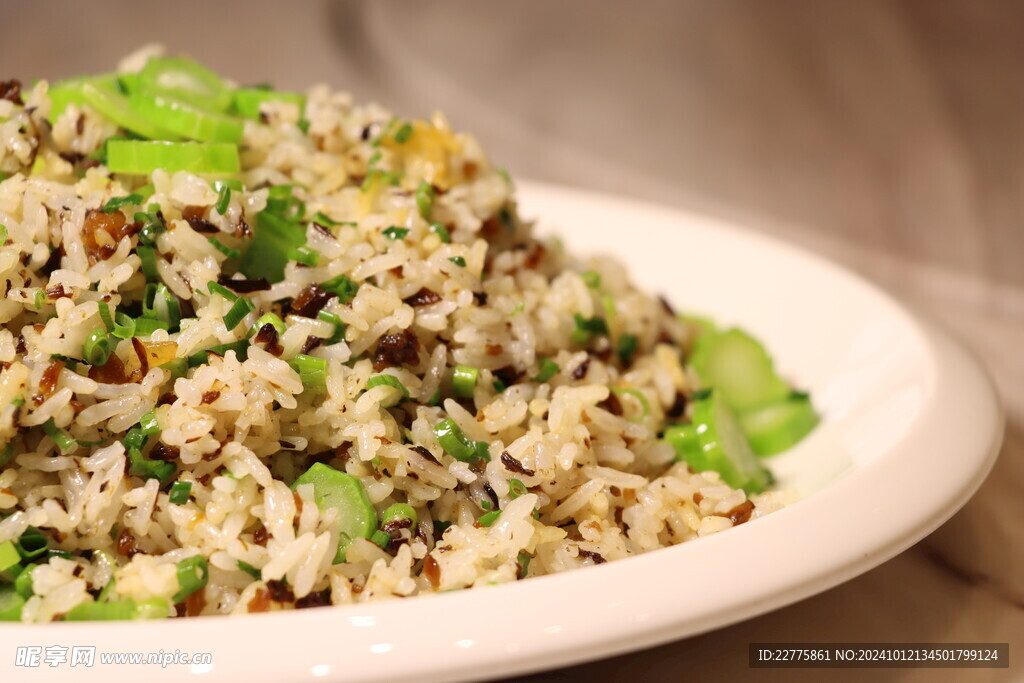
<point>210,396</point>
<point>513,465</point>
<point>166,398</point>
<point>110,373</point>
<point>311,300</point>
<point>480,298</point>
<point>195,603</point>
<point>280,592</point>
<point>310,344</point>
<point>397,349</point>
<point>508,375</point>
<point>427,455</point>
<point>53,262</point>
<point>580,371</point>
<point>678,406</point>
<point>493,349</point>
<point>102,231</point>
<point>424,297</point>
<point>612,404</point>
<point>257,284</point>
<point>260,536</point>
<point>56,292</point>
<point>48,382</point>
<point>396,525</point>
<point>162,451</point>
<point>432,570</point>
<point>268,336</point>
<point>11,90</point>
<point>597,558</point>
<point>126,544</point>
<point>490,228</point>
<point>195,216</point>
<point>243,230</point>
<point>260,601</point>
<point>740,514</point>
<point>535,256</point>
<point>698,497</point>
<point>318,599</point>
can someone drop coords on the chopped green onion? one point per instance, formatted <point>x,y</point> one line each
<point>523,560</point>
<point>153,225</point>
<point>404,133</point>
<point>458,260</point>
<point>464,380</point>
<point>223,200</point>
<point>64,441</point>
<point>307,256</point>
<point>454,441</point>
<point>312,371</point>
<point>328,222</point>
<point>192,576</point>
<point>627,347</point>
<point>180,491</point>
<point>339,326</point>
<point>398,512</point>
<point>638,395</point>
<point>31,544</point>
<point>144,157</point>
<point>587,328</point>
<point>250,570</point>
<point>217,288</point>
<point>425,199</point>
<point>96,349</point>
<point>381,538</point>
<point>135,438</point>
<point>54,552</point>
<point>548,369</point>
<point>116,203</point>
<point>440,528</point>
<point>516,488</point>
<point>177,367</point>
<point>486,505</point>
<point>240,348</point>
<point>230,252</point>
<point>441,231</point>
<point>148,257</point>
<point>158,303</point>
<point>273,238</point>
<point>499,386</point>
<point>270,319</point>
<point>9,556</point>
<point>387,381</point>
<point>149,424</point>
<point>489,518</point>
<point>40,299</point>
<point>230,183</point>
<point>144,468</point>
<point>23,582</point>
<point>520,307</point>
<point>435,399</point>
<point>119,610</point>
<point>395,233</point>
<point>591,279</point>
<point>3,234</point>
<point>342,286</point>
<point>241,308</point>
<point>154,608</point>
<point>185,79</point>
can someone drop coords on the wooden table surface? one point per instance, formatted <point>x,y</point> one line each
<point>885,135</point>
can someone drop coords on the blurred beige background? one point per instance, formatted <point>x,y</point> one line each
<point>886,135</point>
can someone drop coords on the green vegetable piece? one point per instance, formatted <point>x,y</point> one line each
<point>223,199</point>
<point>250,570</point>
<point>738,366</point>
<point>158,303</point>
<point>180,492</point>
<point>454,441</point>
<point>273,238</point>
<point>23,582</point>
<point>193,574</point>
<point>441,231</point>
<point>153,608</point>
<point>241,308</point>
<point>11,603</point>
<point>626,348</point>
<point>395,233</point>
<point>149,264</point>
<point>548,369</point>
<point>591,278</point>
<point>389,381</point>
<point>69,91</point>
<point>345,493</point>
<point>343,287</point>
<point>64,441</point>
<point>587,328</point>
<point>459,261</point>
<point>120,610</point>
<point>230,252</point>
<point>115,203</point>
<point>523,560</point>
<point>312,371</point>
<point>464,379</point>
<point>109,101</point>
<point>247,101</point>
<point>381,538</point>
<point>403,134</point>
<point>240,348</point>
<point>186,119</point>
<point>32,544</point>
<point>722,446</point>
<point>778,426</point>
<point>186,80</point>
<point>142,467</point>
<point>96,349</point>
<point>144,157</point>
<point>270,319</point>
<point>9,556</point>
<point>516,488</point>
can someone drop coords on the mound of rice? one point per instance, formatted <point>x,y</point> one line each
<point>574,463</point>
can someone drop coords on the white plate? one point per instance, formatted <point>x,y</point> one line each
<point>911,428</point>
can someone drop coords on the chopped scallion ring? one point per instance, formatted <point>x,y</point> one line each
<point>388,381</point>
<point>395,233</point>
<point>312,371</point>
<point>464,380</point>
<point>96,349</point>
<point>180,492</point>
<point>64,441</point>
<point>192,576</point>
